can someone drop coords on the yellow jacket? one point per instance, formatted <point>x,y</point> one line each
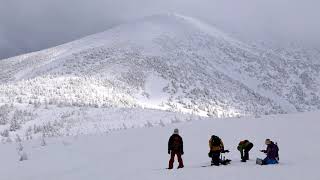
<point>216,148</point>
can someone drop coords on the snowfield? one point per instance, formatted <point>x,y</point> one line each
<point>142,153</point>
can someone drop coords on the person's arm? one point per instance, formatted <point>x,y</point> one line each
<point>182,152</point>
<point>240,148</point>
<point>169,145</point>
<point>222,145</point>
<point>270,150</point>
<point>266,150</point>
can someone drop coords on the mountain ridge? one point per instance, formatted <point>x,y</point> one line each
<point>203,71</point>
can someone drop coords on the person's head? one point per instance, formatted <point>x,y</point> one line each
<point>267,142</point>
<point>243,141</point>
<point>176,131</point>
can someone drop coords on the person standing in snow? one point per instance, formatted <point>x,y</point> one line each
<point>175,148</point>
<point>272,153</point>
<point>216,148</point>
<point>244,147</point>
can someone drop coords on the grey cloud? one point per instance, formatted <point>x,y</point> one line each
<point>30,25</point>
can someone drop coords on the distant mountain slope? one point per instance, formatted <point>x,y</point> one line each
<point>168,62</point>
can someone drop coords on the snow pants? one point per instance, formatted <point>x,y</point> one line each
<point>215,155</point>
<point>267,161</point>
<point>246,152</point>
<point>171,161</point>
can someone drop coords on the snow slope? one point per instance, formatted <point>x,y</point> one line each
<point>142,153</point>
<point>167,62</point>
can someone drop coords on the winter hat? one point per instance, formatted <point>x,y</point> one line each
<point>176,131</point>
<point>268,141</point>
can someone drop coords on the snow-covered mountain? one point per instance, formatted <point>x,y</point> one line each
<point>167,62</point>
<point>141,74</point>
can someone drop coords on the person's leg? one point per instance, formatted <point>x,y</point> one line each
<point>180,160</point>
<point>215,158</point>
<point>246,151</point>
<point>212,158</point>
<point>267,161</point>
<point>246,155</point>
<point>171,161</point>
<point>243,156</point>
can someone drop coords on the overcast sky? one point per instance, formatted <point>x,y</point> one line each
<point>30,25</point>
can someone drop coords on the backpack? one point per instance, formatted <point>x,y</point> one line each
<point>277,150</point>
<point>215,140</point>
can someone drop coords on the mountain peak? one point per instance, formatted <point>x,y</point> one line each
<point>168,62</point>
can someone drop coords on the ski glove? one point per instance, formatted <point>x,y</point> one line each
<point>168,151</point>
<point>182,153</point>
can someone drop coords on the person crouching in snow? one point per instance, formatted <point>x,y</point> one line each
<point>244,147</point>
<point>175,147</point>
<point>272,153</point>
<point>216,147</point>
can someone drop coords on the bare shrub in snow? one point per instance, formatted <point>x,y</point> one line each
<point>124,126</point>
<point>15,124</point>
<point>189,118</point>
<point>28,133</point>
<point>36,129</point>
<point>46,104</point>
<point>175,120</point>
<point>20,149</point>
<point>149,124</point>
<point>4,114</point>
<point>20,117</point>
<point>21,153</point>
<point>43,141</point>
<point>36,104</point>
<point>5,133</point>
<point>23,156</point>
<point>9,140</point>
<point>18,139</point>
<point>51,129</point>
<point>162,124</point>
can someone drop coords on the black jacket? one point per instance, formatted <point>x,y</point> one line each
<point>175,143</point>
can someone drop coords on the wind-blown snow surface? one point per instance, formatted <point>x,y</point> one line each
<point>142,153</point>
<point>168,62</point>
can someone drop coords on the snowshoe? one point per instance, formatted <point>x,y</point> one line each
<point>214,164</point>
<point>259,161</point>
<point>225,162</point>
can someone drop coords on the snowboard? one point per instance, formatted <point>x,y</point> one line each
<point>222,162</point>
<point>225,162</point>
